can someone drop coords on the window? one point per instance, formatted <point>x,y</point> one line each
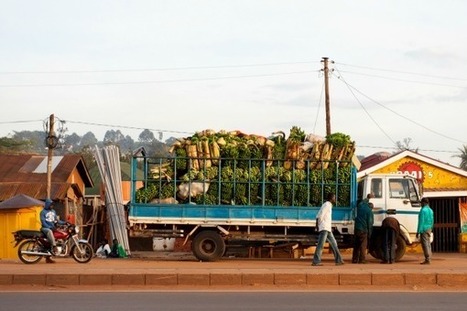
<point>377,187</point>
<point>402,189</point>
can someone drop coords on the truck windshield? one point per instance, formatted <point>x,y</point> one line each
<point>402,189</point>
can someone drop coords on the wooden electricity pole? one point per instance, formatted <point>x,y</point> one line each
<point>326,92</point>
<point>50,145</point>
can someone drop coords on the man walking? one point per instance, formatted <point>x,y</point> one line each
<point>362,231</point>
<point>424,229</point>
<point>324,223</point>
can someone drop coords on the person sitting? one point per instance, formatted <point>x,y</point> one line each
<point>114,253</point>
<point>49,220</point>
<point>103,251</point>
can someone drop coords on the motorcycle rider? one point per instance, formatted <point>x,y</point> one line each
<point>49,219</point>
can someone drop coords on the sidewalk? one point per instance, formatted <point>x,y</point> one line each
<point>156,270</point>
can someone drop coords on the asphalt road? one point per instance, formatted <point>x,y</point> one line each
<point>231,301</point>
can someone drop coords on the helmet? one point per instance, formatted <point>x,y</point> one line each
<point>48,203</point>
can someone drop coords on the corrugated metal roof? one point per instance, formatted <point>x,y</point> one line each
<point>58,191</point>
<point>20,201</point>
<point>373,159</point>
<point>18,176</point>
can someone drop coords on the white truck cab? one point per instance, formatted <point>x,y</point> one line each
<point>397,192</point>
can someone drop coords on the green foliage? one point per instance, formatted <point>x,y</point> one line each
<point>297,135</point>
<point>338,140</point>
<point>10,145</point>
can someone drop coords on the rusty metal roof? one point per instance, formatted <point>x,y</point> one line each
<point>26,174</point>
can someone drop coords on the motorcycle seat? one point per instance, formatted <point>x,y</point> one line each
<point>27,234</point>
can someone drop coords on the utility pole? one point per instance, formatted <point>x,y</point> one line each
<point>326,91</point>
<point>51,142</point>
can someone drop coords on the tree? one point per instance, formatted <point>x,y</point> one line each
<point>146,136</point>
<point>10,145</point>
<point>72,142</point>
<point>34,139</point>
<point>89,139</point>
<point>113,137</point>
<point>405,145</point>
<point>463,157</point>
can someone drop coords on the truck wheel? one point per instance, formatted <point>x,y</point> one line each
<point>376,247</point>
<point>400,247</point>
<point>208,245</point>
<point>376,250</point>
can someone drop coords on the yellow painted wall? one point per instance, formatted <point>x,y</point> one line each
<point>433,176</point>
<point>15,219</point>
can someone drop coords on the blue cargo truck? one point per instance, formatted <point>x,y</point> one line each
<point>256,202</point>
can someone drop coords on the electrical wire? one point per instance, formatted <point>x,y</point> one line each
<point>191,133</point>
<point>396,148</point>
<point>403,72</point>
<point>363,107</point>
<point>20,121</point>
<point>151,69</point>
<point>319,107</point>
<point>127,127</point>
<point>396,113</point>
<point>405,80</point>
<point>156,81</point>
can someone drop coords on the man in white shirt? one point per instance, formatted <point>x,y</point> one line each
<point>323,223</point>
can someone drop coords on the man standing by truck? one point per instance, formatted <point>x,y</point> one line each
<point>323,223</point>
<point>362,230</point>
<point>424,229</point>
<point>391,231</point>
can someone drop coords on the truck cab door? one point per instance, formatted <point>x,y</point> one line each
<point>402,196</point>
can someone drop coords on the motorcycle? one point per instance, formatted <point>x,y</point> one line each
<point>33,245</point>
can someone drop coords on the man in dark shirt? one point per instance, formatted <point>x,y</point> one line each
<point>391,231</point>
<point>362,231</point>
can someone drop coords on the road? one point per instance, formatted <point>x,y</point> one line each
<point>231,301</point>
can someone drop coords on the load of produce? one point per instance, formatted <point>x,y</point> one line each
<point>231,167</point>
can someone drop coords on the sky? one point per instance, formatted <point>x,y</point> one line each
<point>398,69</point>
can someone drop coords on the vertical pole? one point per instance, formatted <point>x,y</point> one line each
<point>50,146</point>
<point>326,91</point>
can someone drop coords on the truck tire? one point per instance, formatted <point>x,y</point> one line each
<point>376,249</point>
<point>208,245</point>
<point>376,246</point>
<point>401,246</point>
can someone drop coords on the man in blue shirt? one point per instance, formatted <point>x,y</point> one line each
<point>424,229</point>
<point>48,220</point>
<point>362,231</point>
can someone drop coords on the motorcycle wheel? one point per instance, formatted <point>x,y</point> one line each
<point>83,257</point>
<point>30,246</point>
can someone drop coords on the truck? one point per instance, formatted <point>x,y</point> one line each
<point>219,201</point>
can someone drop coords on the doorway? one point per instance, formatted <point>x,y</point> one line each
<point>447,224</point>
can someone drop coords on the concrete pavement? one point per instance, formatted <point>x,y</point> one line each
<point>155,270</point>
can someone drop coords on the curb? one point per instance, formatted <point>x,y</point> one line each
<point>377,280</point>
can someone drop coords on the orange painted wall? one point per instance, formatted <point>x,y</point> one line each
<point>433,176</point>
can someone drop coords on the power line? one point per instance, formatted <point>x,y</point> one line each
<point>403,72</point>
<point>405,80</point>
<point>189,133</point>
<point>364,109</point>
<point>19,121</point>
<point>158,81</point>
<point>151,69</point>
<point>398,114</point>
<point>396,148</point>
<point>127,127</point>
